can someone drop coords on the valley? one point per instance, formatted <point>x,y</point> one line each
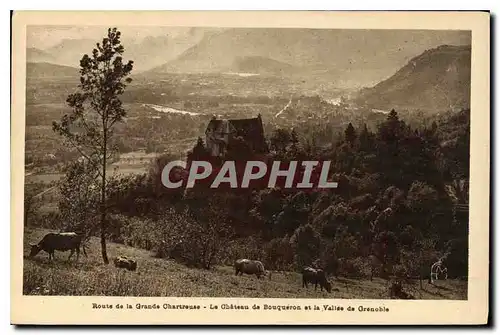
<point>169,108</point>
<point>169,113</point>
<point>389,110</point>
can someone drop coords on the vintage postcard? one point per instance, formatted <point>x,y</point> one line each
<point>272,168</point>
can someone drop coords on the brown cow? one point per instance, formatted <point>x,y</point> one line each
<point>315,276</point>
<point>250,267</point>
<point>61,242</point>
<point>125,263</point>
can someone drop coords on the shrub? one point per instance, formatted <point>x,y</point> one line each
<point>353,268</point>
<point>306,242</point>
<point>190,241</point>
<point>279,254</point>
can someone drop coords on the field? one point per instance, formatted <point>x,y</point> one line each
<point>160,277</point>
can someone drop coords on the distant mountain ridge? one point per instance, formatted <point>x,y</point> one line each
<point>352,57</point>
<point>34,55</point>
<point>437,80</point>
<point>261,65</point>
<point>367,56</point>
<point>48,70</point>
<point>150,52</point>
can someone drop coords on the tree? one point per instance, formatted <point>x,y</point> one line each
<point>31,205</point>
<point>199,147</point>
<point>350,134</point>
<point>294,137</point>
<point>238,149</point>
<point>279,254</point>
<point>422,197</point>
<point>196,236</point>
<point>79,197</point>
<point>96,108</point>
<point>199,151</point>
<point>366,139</point>
<point>417,260</point>
<point>306,242</point>
<point>386,249</point>
<point>280,140</point>
<point>392,129</point>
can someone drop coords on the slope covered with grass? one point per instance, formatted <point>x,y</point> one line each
<point>160,277</point>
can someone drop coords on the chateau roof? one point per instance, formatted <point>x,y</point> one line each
<point>251,130</point>
<point>242,127</point>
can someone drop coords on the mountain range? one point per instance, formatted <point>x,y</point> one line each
<point>148,53</point>
<point>42,70</point>
<point>261,65</point>
<point>403,69</point>
<point>368,56</point>
<point>364,57</point>
<point>438,80</point>
<point>34,55</point>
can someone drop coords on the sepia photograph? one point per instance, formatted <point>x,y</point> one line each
<point>314,163</point>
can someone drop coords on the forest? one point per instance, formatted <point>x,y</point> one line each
<point>402,197</point>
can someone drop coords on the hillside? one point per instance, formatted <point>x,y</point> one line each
<point>437,80</point>
<point>68,52</point>
<point>159,277</point>
<point>343,53</point>
<point>48,70</point>
<point>154,51</point>
<point>261,65</point>
<point>34,55</point>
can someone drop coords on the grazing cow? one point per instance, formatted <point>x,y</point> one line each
<point>250,267</point>
<point>125,263</point>
<point>61,242</point>
<point>315,276</point>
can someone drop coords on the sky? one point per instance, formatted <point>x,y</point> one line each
<point>380,52</point>
<point>43,37</point>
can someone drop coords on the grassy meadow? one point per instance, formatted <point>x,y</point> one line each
<point>160,277</point>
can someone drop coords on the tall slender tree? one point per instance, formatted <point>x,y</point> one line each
<point>96,108</point>
<point>350,133</point>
